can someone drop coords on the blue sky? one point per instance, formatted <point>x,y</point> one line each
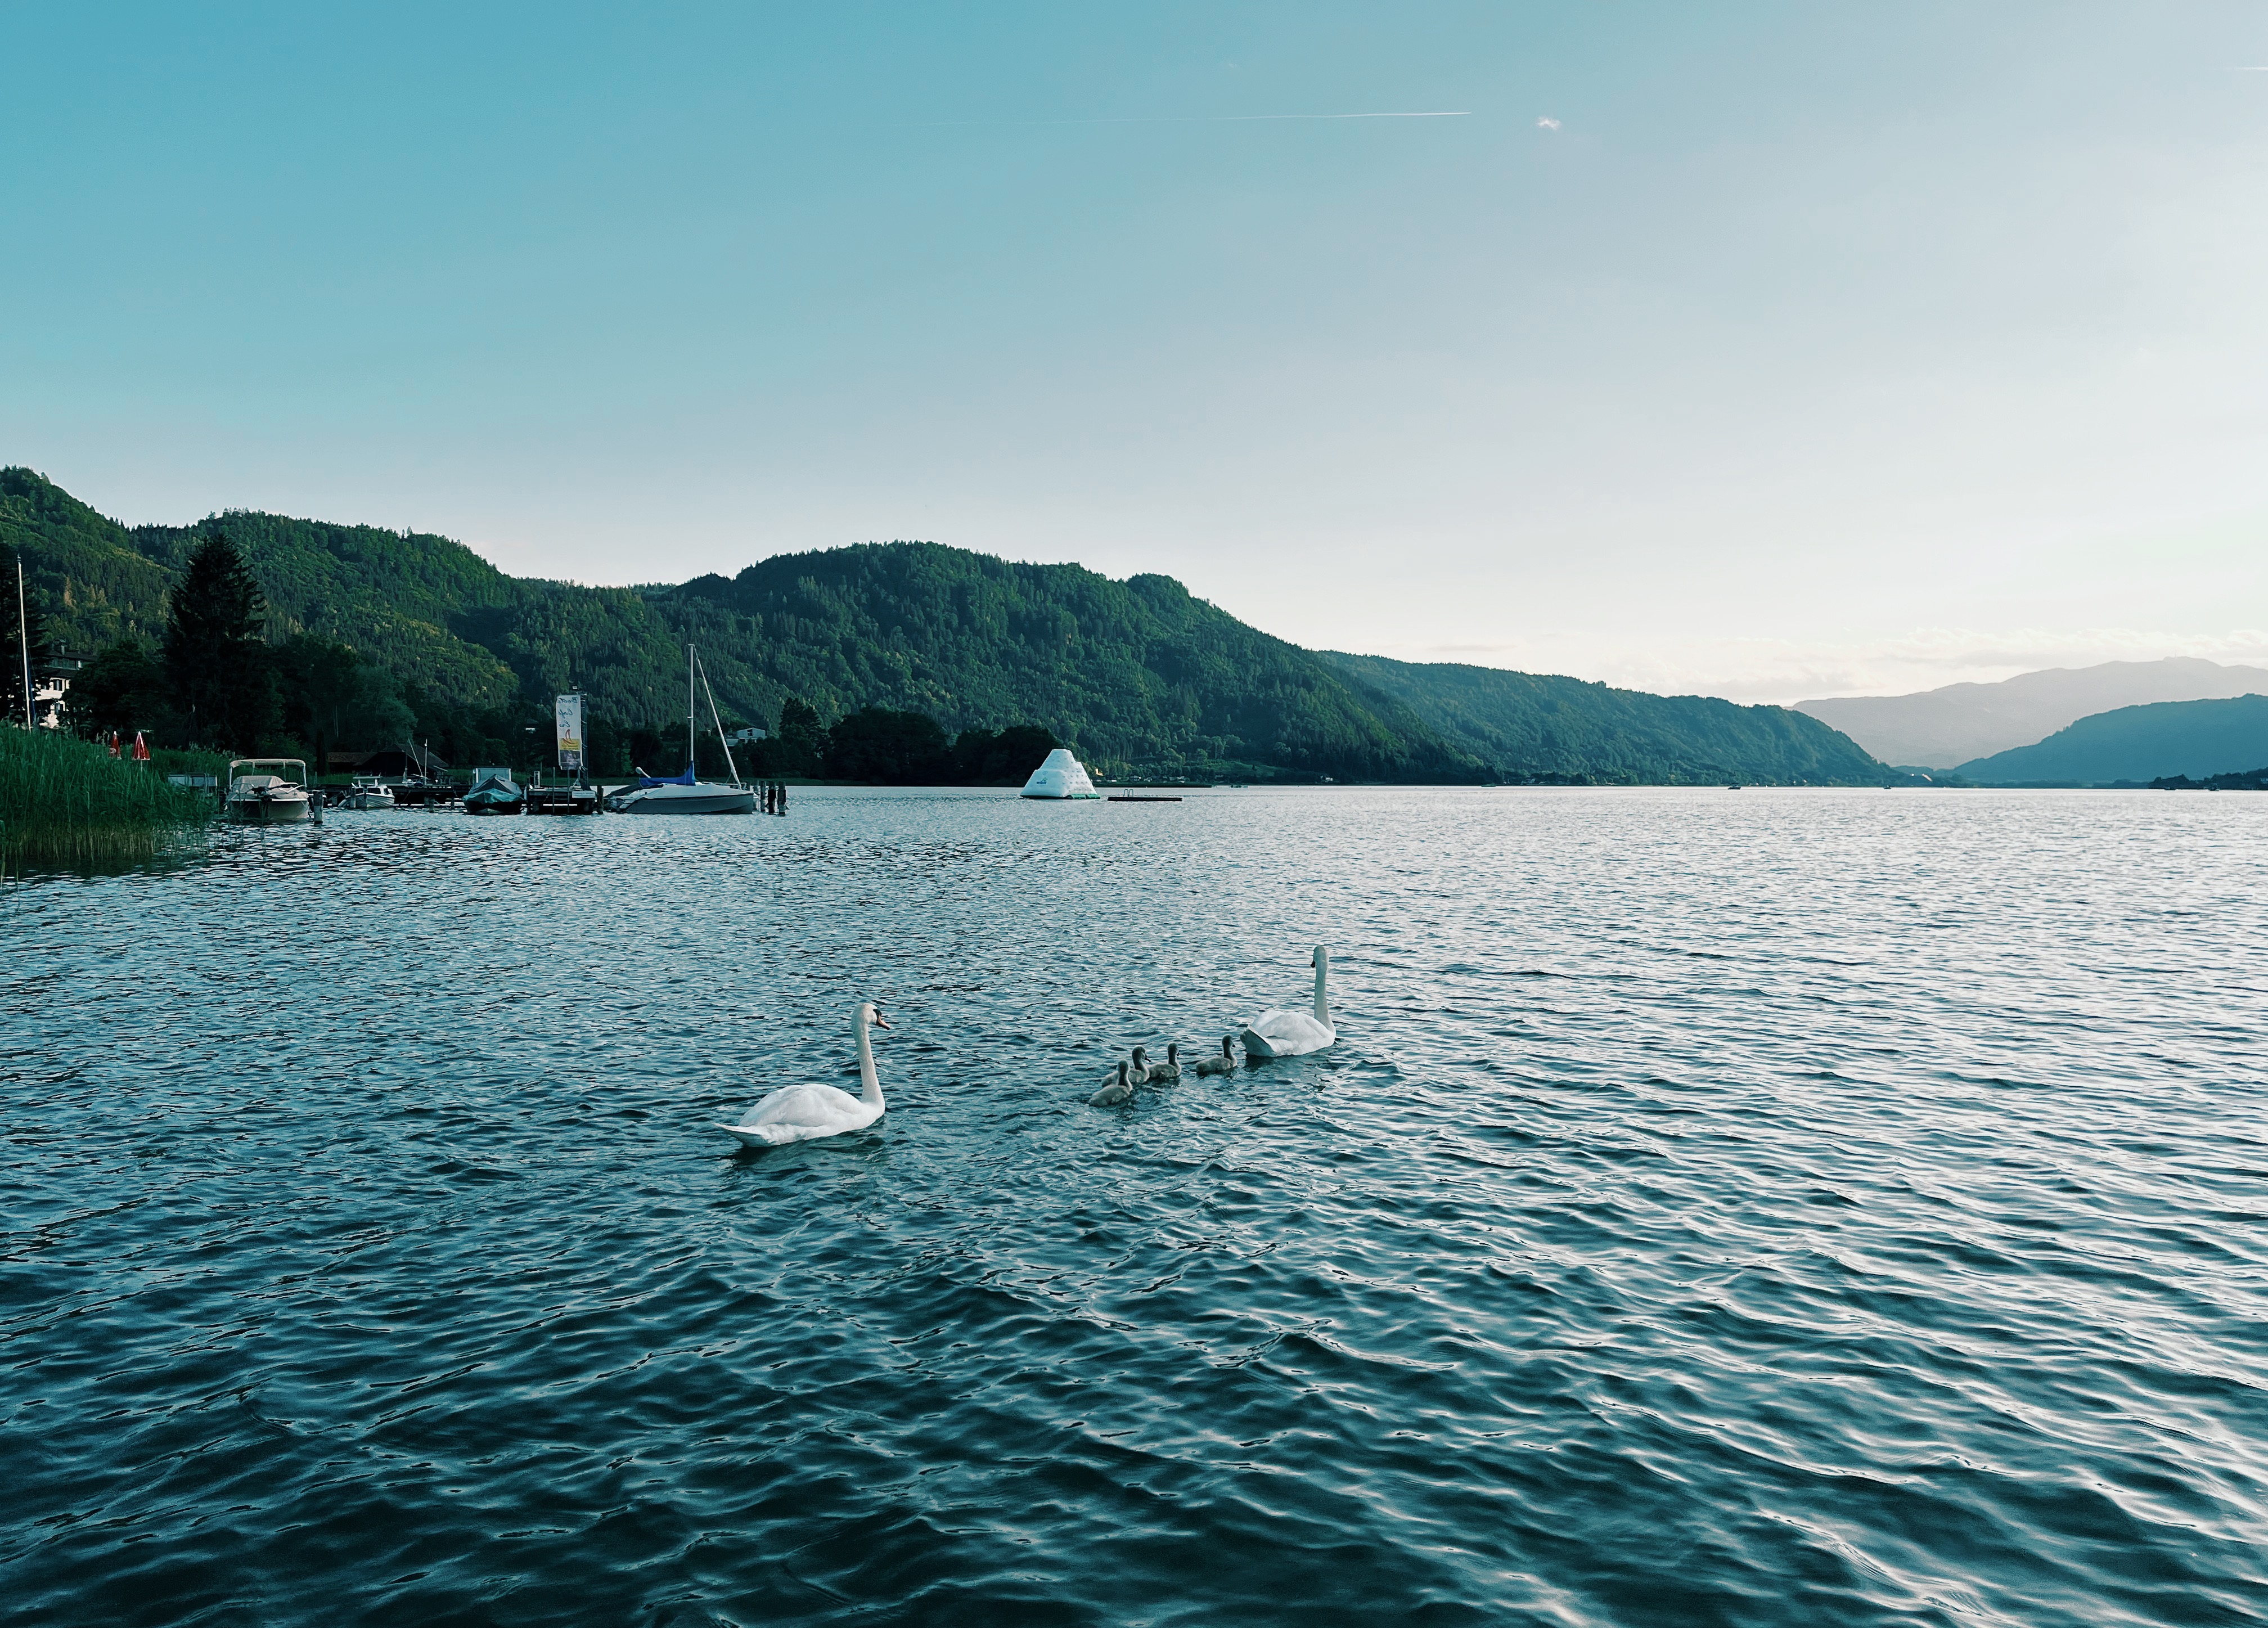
<point>1806,350</point>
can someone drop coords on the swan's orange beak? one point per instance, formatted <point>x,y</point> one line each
<point>878,1021</point>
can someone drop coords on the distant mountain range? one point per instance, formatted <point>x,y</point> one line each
<point>1145,678</point>
<point>1939,728</point>
<point>2194,739</point>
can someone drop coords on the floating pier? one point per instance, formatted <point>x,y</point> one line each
<point>563,800</point>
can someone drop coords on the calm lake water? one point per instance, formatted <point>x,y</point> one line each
<point>1759,1207</point>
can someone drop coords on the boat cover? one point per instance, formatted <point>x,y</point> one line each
<point>684,779</point>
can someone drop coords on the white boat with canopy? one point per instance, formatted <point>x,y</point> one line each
<point>258,798</point>
<point>368,792</point>
<point>687,794</point>
<point>1061,778</point>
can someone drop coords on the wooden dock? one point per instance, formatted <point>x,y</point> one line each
<point>563,800</point>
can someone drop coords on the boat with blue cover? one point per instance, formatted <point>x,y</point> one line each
<point>684,794</point>
<point>494,792</point>
<point>687,794</point>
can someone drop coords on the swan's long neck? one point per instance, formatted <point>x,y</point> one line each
<point>1322,1000</point>
<point>870,1088</point>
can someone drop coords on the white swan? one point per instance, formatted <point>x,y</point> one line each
<point>1288,1032</point>
<point>799,1113</point>
<point>1224,1064</point>
<point>1117,1091</point>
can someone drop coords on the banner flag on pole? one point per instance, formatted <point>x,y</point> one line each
<point>569,713</point>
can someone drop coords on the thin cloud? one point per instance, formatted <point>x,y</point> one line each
<point>1224,118</point>
<point>1546,122</point>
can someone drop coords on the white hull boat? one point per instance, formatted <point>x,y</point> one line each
<point>366,792</point>
<point>675,797</point>
<point>1062,778</point>
<point>686,794</point>
<point>256,797</point>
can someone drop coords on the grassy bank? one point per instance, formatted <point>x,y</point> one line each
<point>68,805</point>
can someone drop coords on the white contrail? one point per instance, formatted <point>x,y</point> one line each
<point>1224,118</point>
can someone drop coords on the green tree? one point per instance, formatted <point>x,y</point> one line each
<point>981,757</point>
<point>799,743</point>
<point>321,681</point>
<point>884,748</point>
<point>215,659</point>
<point>123,690</point>
<point>648,751</point>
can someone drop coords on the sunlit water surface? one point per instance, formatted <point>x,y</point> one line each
<point>1759,1207</point>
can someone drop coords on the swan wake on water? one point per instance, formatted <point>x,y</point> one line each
<point>802,1113</point>
<point>1288,1032</point>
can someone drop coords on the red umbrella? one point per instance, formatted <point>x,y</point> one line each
<point>140,751</point>
<point>113,743</point>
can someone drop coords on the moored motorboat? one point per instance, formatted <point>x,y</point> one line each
<point>256,797</point>
<point>367,791</point>
<point>494,792</point>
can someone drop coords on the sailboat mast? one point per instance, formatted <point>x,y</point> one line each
<point>691,760</point>
<point>24,637</point>
<point>720,722</point>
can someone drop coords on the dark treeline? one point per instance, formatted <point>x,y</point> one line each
<point>214,681</point>
<point>2238,780</point>
<point>874,746</point>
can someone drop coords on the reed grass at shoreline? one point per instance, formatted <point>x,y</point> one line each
<point>67,805</point>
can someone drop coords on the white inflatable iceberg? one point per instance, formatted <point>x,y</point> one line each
<point>1061,775</point>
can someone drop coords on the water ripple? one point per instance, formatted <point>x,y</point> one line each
<point>1792,1208</point>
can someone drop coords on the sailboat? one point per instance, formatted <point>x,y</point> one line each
<point>686,793</point>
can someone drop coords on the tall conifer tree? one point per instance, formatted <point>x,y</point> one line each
<point>801,741</point>
<point>218,665</point>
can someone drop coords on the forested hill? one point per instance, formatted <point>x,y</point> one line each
<point>1135,672</point>
<point>2189,739</point>
<point>1139,676</point>
<point>1528,726</point>
<point>426,609</point>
